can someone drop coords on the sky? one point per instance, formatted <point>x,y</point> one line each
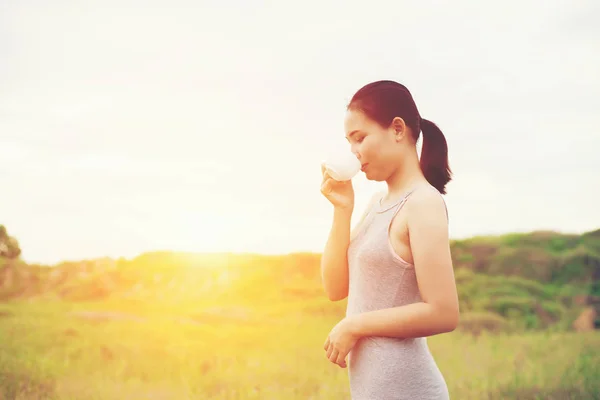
<point>129,126</point>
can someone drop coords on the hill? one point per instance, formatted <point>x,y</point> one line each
<point>539,280</point>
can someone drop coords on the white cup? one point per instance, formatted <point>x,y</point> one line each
<point>342,166</point>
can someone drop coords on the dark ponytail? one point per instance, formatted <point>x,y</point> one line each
<point>382,101</point>
<point>434,156</point>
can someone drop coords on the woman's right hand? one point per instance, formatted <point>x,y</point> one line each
<point>340,194</point>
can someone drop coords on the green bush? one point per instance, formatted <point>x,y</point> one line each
<point>477,322</point>
<point>529,262</point>
<point>577,265</point>
<point>512,306</point>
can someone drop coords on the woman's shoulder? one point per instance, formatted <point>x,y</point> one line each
<point>426,199</point>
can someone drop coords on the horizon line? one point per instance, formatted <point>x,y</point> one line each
<point>247,253</point>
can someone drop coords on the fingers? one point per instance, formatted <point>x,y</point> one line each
<point>334,355</point>
<point>329,350</point>
<point>326,188</point>
<point>341,360</point>
<point>326,177</point>
<point>328,183</point>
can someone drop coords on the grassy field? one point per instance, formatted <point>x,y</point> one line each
<point>108,350</point>
<point>168,325</point>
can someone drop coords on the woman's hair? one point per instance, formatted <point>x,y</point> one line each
<point>382,101</point>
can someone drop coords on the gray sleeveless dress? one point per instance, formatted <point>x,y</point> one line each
<point>382,368</point>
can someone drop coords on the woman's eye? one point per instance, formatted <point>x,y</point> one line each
<point>360,139</point>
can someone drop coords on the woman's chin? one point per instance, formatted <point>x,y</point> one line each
<point>369,175</point>
<point>375,178</point>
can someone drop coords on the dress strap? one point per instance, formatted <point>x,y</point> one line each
<point>399,203</point>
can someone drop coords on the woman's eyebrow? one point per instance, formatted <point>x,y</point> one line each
<point>352,133</point>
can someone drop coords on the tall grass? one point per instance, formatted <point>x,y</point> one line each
<point>56,351</point>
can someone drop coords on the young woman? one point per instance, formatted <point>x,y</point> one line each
<point>395,267</point>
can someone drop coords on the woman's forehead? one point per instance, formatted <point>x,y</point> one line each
<point>355,120</point>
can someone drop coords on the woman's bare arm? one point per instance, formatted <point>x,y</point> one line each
<point>334,261</point>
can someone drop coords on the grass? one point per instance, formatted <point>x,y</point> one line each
<point>184,352</point>
<point>170,325</point>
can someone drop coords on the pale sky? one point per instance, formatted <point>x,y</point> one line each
<point>166,125</point>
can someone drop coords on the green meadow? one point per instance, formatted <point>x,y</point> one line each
<point>247,326</point>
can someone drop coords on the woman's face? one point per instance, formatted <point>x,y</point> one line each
<point>378,149</point>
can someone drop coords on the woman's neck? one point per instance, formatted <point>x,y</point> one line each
<point>407,176</point>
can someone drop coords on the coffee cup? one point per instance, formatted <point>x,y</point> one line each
<point>342,166</point>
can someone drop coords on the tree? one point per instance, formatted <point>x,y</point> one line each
<point>9,246</point>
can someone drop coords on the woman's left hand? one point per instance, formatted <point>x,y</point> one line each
<point>340,341</point>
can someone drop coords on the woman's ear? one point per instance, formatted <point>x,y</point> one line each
<point>399,127</point>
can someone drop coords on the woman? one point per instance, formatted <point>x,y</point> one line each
<point>395,267</point>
